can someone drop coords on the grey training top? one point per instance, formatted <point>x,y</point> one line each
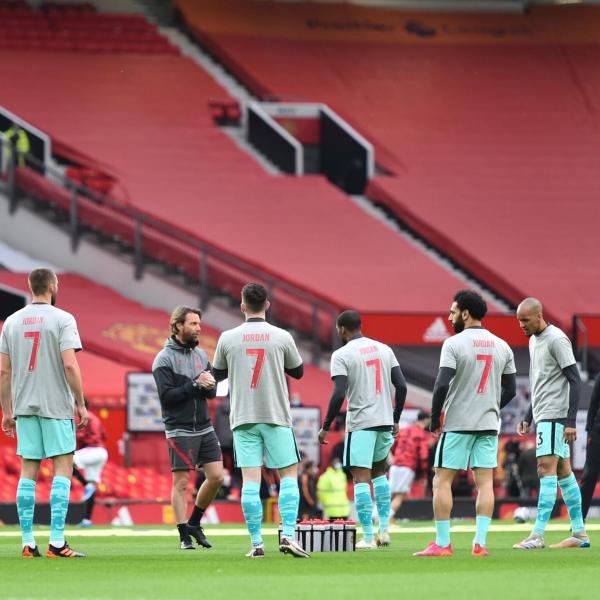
<point>550,352</point>
<point>480,359</point>
<point>368,365</point>
<point>34,338</point>
<point>256,355</point>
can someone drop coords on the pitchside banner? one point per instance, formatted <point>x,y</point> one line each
<point>351,23</point>
<point>433,328</point>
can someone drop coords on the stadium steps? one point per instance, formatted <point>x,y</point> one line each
<point>391,220</point>
<point>235,88</point>
<point>190,45</point>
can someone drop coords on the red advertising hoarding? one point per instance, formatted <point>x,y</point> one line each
<point>425,329</point>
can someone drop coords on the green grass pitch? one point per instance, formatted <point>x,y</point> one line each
<point>146,564</point>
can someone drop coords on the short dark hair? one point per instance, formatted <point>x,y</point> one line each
<point>349,319</point>
<point>254,296</point>
<point>40,279</point>
<point>179,315</point>
<point>471,301</point>
<point>423,414</point>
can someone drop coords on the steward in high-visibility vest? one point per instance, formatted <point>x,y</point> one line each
<point>332,492</point>
<point>19,140</point>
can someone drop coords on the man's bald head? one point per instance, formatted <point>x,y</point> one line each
<point>530,314</point>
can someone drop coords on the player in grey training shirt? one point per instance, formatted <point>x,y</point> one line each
<point>368,374</point>
<point>256,357</point>
<point>555,384</point>
<point>40,391</point>
<point>476,379</point>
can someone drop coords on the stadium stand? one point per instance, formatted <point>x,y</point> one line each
<point>77,28</point>
<point>478,139</point>
<point>140,144</point>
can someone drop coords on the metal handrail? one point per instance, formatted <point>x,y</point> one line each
<point>205,249</point>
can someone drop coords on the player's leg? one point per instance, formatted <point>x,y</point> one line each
<point>547,463</point>
<point>572,499</point>
<point>401,480</point>
<point>212,460</point>
<point>206,494</point>
<point>181,452</point>
<point>59,506</point>
<point>179,502</point>
<point>78,474</point>
<point>397,500</point>
<point>591,471</point>
<point>59,444</point>
<point>484,459</point>
<point>547,469</point>
<point>30,448</point>
<point>381,485</point>
<point>92,460</point>
<point>281,452</point>
<point>248,451</point>
<point>359,449</point>
<point>383,500</point>
<point>442,504</point>
<point>452,454</point>
<point>484,508</point>
<point>208,490</point>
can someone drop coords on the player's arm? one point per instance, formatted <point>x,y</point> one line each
<point>399,384</point>
<point>594,404</point>
<point>219,366</point>
<point>562,351</point>
<point>296,372</point>
<point>170,388</point>
<point>440,391</point>
<point>73,375</point>
<point>293,365</point>
<point>508,390</point>
<point>219,374</point>
<point>525,425</point>
<point>571,374</point>
<point>340,382</point>
<point>207,384</point>
<point>8,421</point>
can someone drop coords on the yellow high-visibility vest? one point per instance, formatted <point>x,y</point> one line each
<point>22,146</point>
<point>332,493</point>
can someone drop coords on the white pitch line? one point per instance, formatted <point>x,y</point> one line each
<point>129,532</point>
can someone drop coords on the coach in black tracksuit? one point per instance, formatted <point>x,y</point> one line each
<point>592,457</point>
<point>182,374</point>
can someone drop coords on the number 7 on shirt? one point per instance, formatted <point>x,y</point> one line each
<point>35,336</point>
<point>376,363</point>
<point>487,358</point>
<point>260,359</point>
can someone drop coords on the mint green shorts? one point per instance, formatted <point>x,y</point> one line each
<point>460,450</point>
<point>254,441</point>
<point>364,447</point>
<point>40,437</point>
<point>550,440</point>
